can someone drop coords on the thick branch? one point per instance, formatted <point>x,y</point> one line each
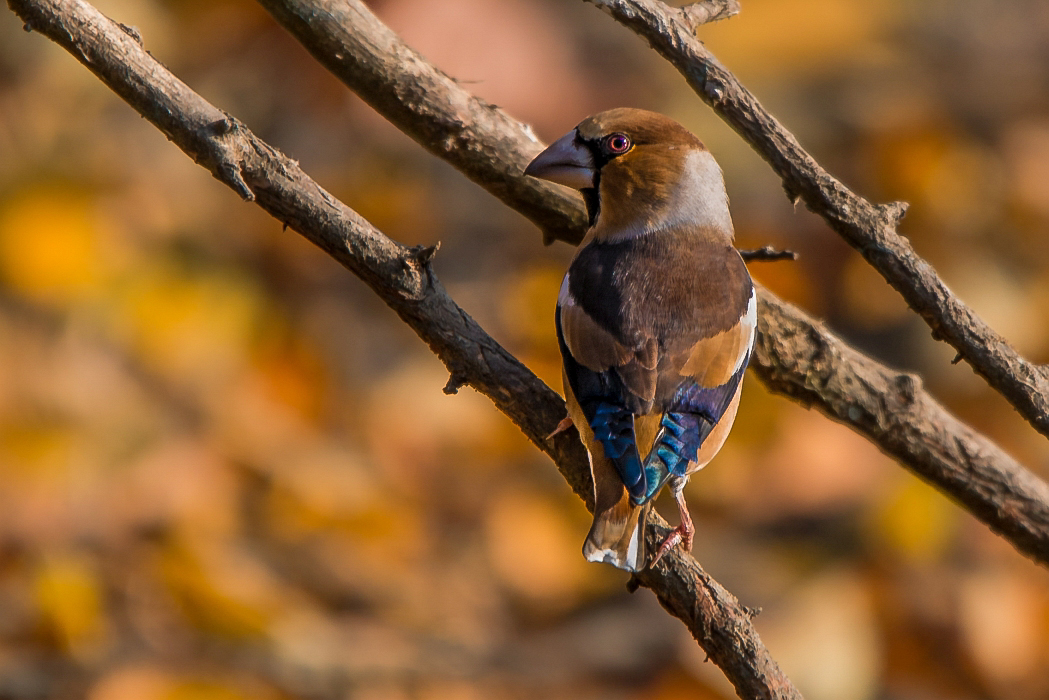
<point>404,279</point>
<point>397,82</point>
<point>810,365</point>
<point>797,357</point>
<point>868,228</point>
<point>350,41</point>
<point>401,276</point>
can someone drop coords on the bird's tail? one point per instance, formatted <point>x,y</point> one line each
<point>617,536</point>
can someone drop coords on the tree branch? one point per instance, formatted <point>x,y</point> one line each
<point>406,282</point>
<point>869,228</point>
<point>767,254</point>
<point>355,45</point>
<point>697,14</point>
<point>796,357</point>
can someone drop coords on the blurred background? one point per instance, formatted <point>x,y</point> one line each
<point>227,471</point>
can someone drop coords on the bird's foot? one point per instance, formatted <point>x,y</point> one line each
<point>564,425</point>
<point>684,532</point>
<point>679,535</point>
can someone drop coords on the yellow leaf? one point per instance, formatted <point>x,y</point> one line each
<point>528,306</point>
<point>35,447</point>
<point>217,592</point>
<point>68,594</point>
<point>200,689</point>
<point>776,37</point>
<point>48,246</point>
<point>917,520</point>
<point>193,324</point>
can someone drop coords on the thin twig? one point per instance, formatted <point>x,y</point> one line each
<point>767,254</point>
<point>869,228</point>
<point>403,278</point>
<point>801,359</point>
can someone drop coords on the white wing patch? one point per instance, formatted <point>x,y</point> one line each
<point>749,322</point>
<point>564,296</point>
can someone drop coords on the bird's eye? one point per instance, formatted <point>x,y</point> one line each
<point>617,144</point>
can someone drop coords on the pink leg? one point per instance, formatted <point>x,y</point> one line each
<point>564,425</point>
<point>684,532</point>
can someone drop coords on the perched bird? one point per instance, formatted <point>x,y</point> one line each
<point>655,318</point>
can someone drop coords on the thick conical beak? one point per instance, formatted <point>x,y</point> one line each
<point>565,162</point>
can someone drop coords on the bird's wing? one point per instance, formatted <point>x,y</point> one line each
<point>673,357</point>
<point>612,380</point>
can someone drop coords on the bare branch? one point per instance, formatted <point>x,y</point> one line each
<point>796,357</point>
<point>869,228</point>
<point>699,13</point>
<point>397,82</point>
<point>767,254</point>
<point>404,279</point>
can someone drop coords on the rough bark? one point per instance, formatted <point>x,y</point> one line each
<point>351,42</point>
<point>797,357</point>
<point>815,367</point>
<point>870,229</point>
<point>405,280</point>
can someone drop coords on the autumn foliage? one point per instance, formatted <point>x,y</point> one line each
<point>228,471</point>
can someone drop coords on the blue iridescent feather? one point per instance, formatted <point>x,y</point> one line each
<point>692,414</point>
<point>610,407</point>
<point>613,427</point>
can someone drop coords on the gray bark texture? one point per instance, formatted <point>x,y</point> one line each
<point>795,355</point>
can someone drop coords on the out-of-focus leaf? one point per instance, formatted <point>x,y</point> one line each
<point>69,597</point>
<point>1003,298</point>
<point>194,325</point>
<point>916,520</point>
<point>35,447</point>
<point>1027,163</point>
<point>398,201</point>
<point>133,683</point>
<point>788,280</point>
<point>528,303</point>
<point>952,182</point>
<point>424,440</point>
<point>294,373</point>
<point>818,30</point>
<point>813,465</point>
<point>678,685</point>
<point>218,590</point>
<point>1005,623</point>
<point>825,637</point>
<point>200,689</point>
<point>535,74</point>
<point>49,248</point>
<point>534,549</point>
<point>149,683</point>
<point>527,313</point>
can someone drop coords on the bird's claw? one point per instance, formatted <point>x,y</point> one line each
<point>680,534</point>
<point>564,425</point>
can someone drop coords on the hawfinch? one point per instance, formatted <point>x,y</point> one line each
<point>655,318</point>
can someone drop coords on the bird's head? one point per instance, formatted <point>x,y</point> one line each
<point>639,172</point>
